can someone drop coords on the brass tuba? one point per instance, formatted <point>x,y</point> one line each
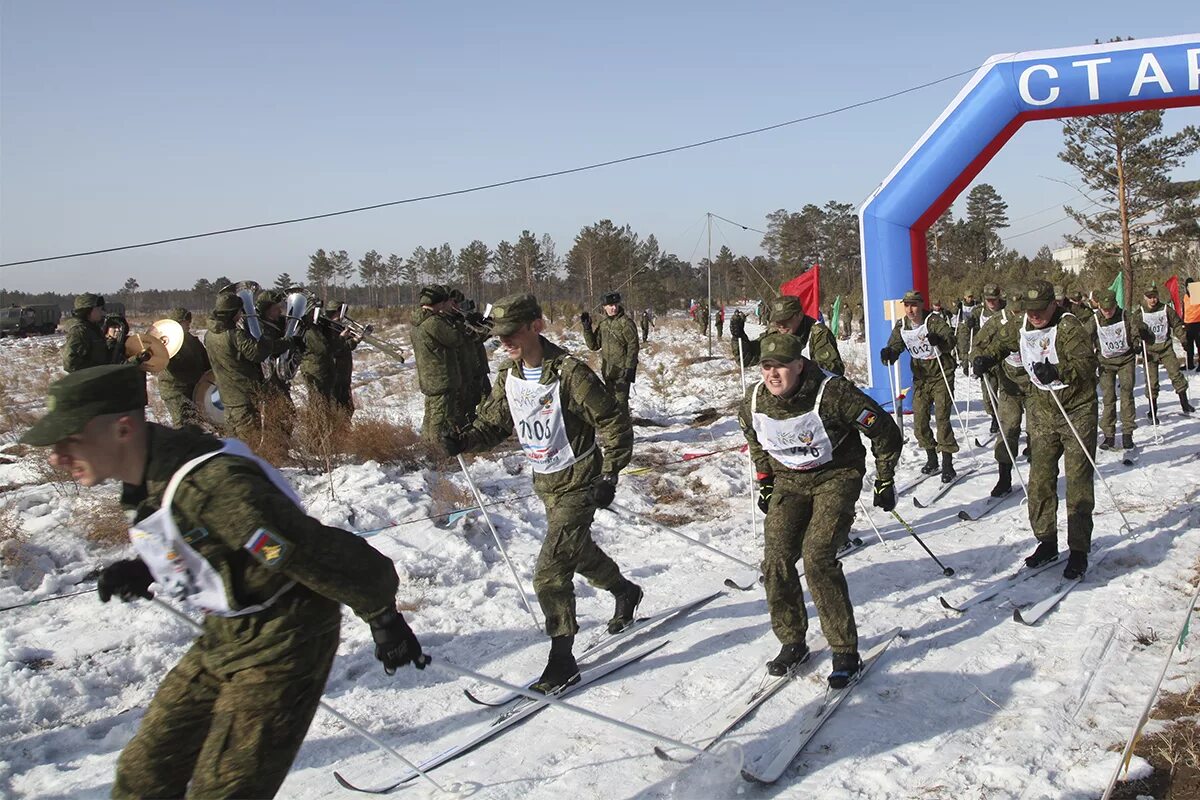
<point>295,307</point>
<point>246,290</point>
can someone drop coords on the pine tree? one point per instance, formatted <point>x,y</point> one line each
<point>986,213</point>
<point>284,282</point>
<point>371,271</point>
<point>320,272</point>
<point>473,261</point>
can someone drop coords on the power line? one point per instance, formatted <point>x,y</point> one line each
<point>740,225</point>
<point>497,184</point>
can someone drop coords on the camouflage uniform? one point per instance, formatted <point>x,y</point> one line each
<point>237,364</point>
<point>1118,371</point>
<point>588,409</point>
<point>177,383</point>
<point>930,390</point>
<point>323,347</point>
<point>646,322</point>
<point>822,345</point>
<point>810,512</point>
<point>980,317</point>
<point>1050,436</point>
<point>1009,381</point>
<point>1163,352</point>
<point>439,349</point>
<point>475,366</point>
<point>964,332</point>
<point>86,344</point>
<point>846,322</point>
<point>616,338</point>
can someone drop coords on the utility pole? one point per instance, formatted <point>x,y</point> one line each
<point>708,308</point>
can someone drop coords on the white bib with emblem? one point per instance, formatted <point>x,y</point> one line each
<point>799,443</point>
<point>917,342</point>
<point>1013,358</point>
<point>1156,321</point>
<point>1039,345</point>
<point>1113,341</point>
<point>537,415</point>
<point>182,572</point>
<point>983,318</point>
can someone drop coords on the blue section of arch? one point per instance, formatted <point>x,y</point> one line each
<point>893,221</point>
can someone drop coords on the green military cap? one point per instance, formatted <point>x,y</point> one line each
<point>1076,297</point>
<point>1060,292</point>
<point>434,293</point>
<point>267,297</point>
<point>1106,298</point>
<point>781,347</point>
<point>228,304</point>
<point>992,291</point>
<point>1152,290</point>
<point>1037,296</point>
<point>85,394</point>
<point>510,313</point>
<point>784,307</point>
<point>913,298</point>
<point>969,293</point>
<point>87,301</point>
<point>611,299</point>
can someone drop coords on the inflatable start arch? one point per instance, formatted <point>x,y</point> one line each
<point>1006,92</point>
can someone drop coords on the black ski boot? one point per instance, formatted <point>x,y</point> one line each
<point>1044,554</point>
<point>931,463</point>
<point>1108,443</point>
<point>790,656</point>
<point>1004,484</point>
<point>845,667</point>
<point>1076,565</point>
<point>995,426</point>
<point>1152,412</point>
<point>1187,407</point>
<point>948,473</point>
<point>1126,441</point>
<point>561,670</point>
<point>628,595</point>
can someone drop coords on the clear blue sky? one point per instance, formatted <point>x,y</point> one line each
<point>127,121</point>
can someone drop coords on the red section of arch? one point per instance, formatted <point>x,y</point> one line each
<point>920,262</point>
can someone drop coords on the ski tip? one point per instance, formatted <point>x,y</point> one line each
<point>946,605</point>
<point>917,503</point>
<point>752,778</point>
<point>1017,616</point>
<point>964,516</point>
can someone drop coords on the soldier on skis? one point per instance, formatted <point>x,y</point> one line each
<point>804,428</point>
<point>1056,352</point>
<point>616,337</point>
<point>1010,383</point>
<point>556,406</point>
<point>1115,339</point>
<point>930,341</point>
<point>966,313</point>
<point>993,303</point>
<point>787,316</point>
<point>220,529</point>
<point>1163,323</point>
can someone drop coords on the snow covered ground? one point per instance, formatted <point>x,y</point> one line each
<point>970,706</point>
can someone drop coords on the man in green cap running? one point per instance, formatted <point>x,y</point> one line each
<point>787,316</point>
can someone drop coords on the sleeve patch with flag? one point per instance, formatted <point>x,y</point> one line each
<point>267,546</point>
<point>865,419</point>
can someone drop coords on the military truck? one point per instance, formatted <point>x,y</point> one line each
<point>28,320</point>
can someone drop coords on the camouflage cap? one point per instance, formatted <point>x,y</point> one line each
<point>180,314</point>
<point>83,395</point>
<point>1152,290</point>
<point>1060,292</point>
<point>913,298</point>
<point>612,299</point>
<point>510,313</point>
<point>991,291</point>
<point>267,297</point>
<point>87,300</point>
<point>781,347</point>
<point>434,293</point>
<point>784,307</point>
<point>228,304</point>
<point>1106,298</point>
<point>970,293</point>
<point>1037,296</point>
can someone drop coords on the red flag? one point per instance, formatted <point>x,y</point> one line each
<point>806,286</point>
<point>1172,284</point>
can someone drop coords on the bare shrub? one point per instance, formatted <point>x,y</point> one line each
<point>447,496</point>
<point>320,434</point>
<point>101,521</point>
<point>277,420</point>
<point>13,540</point>
<point>47,474</point>
<point>374,439</point>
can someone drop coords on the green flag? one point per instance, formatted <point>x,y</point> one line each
<point>837,312</point>
<point>1118,288</point>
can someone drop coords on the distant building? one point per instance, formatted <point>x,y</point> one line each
<point>1071,258</point>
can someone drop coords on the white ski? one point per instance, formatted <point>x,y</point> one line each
<point>601,643</point>
<point>521,711</point>
<point>1031,614</point>
<point>769,769</point>
<point>997,586</point>
<point>945,488</point>
<point>989,505</point>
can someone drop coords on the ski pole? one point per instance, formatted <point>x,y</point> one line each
<point>50,599</point>
<point>615,507</point>
<point>749,455</point>
<point>487,518</point>
<point>947,571</point>
<point>349,723</point>
<point>957,413</point>
<point>1092,461</point>
<point>551,701</point>
<point>995,397</point>
<point>871,522</point>
<point>1153,405</point>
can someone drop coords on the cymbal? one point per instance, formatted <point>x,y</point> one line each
<point>170,333</point>
<point>208,399</point>
<point>137,343</point>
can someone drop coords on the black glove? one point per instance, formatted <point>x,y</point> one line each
<point>765,487</point>
<point>885,495</point>
<point>982,365</point>
<point>1147,335</point>
<point>887,356</point>
<point>737,327</point>
<point>630,375</point>
<point>1045,372</point>
<point>604,490</point>
<point>453,443</point>
<point>936,341</point>
<point>126,579</point>
<point>395,643</point>
<point>586,319</point>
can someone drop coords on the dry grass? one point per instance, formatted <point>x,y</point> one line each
<point>446,496</point>
<point>58,478</point>
<point>320,433</point>
<point>14,554</point>
<point>374,439</point>
<point>1173,751</point>
<point>101,521</point>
